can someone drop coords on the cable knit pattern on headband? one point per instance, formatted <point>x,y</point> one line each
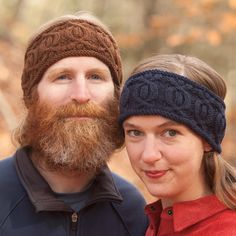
<point>74,37</point>
<point>175,97</point>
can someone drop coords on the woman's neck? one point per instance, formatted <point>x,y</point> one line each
<point>190,196</point>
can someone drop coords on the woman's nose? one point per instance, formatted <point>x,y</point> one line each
<point>151,152</point>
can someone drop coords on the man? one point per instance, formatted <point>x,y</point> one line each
<point>57,182</point>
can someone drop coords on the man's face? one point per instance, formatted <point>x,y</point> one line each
<point>72,125</point>
<point>80,79</point>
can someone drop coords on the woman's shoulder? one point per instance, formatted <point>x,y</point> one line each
<point>226,215</point>
<point>222,223</point>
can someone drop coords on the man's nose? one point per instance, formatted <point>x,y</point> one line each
<point>80,90</point>
<point>151,151</point>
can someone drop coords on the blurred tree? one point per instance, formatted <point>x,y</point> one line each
<point>149,9</point>
<point>203,28</point>
<point>11,18</point>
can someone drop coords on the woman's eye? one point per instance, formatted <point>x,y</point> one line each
<point>171,133</point>
<point>133,133</point>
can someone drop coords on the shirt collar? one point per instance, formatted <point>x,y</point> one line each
<point>42,196</point>
<point>183,214</point>
<point>189,213</point>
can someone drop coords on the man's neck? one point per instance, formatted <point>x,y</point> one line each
<point>62,182</point>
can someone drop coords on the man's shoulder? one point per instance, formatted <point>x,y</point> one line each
<point>9,180</point>
<point>10,183</point>
<point>126,188</point>
<point>132,206</point>
<point>132,198</point>
<point>6,169</point>
<point>10,187</point>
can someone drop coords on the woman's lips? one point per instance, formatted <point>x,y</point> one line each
<point>155,173</point>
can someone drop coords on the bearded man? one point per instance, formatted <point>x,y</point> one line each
<point>57,182</point>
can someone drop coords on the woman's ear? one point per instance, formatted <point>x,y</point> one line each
<point>207,147</point>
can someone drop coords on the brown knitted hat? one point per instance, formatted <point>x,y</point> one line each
<point>74,37</point>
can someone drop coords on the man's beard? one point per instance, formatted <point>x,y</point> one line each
<point>72,137</point>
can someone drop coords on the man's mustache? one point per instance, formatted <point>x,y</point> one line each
<point>75,109</point>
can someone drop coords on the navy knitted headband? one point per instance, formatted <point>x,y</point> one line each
<point>155,92</point>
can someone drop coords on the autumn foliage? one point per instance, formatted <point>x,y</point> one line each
<point>203,28</point>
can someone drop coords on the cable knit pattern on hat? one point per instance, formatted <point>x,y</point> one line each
<point>178,98</point>
<point>75,37</point>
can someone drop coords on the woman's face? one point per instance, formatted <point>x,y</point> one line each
<point>167,156</point>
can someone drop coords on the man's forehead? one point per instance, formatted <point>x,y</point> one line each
<point>78,64</point>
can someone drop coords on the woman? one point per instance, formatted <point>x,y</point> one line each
<point>173,116</point>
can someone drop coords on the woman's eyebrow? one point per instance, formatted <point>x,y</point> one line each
<point>129,125</point>
<point>168,123</point>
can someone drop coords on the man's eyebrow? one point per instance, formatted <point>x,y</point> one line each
<point>58,70</point>
<point>99,70</point>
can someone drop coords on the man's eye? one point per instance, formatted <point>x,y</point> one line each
<point>63,77</point>
<point>95,77</point>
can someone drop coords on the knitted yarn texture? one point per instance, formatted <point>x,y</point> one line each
<point>69,38</point>
<point>155,92</point>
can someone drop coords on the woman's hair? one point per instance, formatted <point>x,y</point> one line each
<point>219,174</point>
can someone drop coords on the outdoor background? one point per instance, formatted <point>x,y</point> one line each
<point>203,28</point>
